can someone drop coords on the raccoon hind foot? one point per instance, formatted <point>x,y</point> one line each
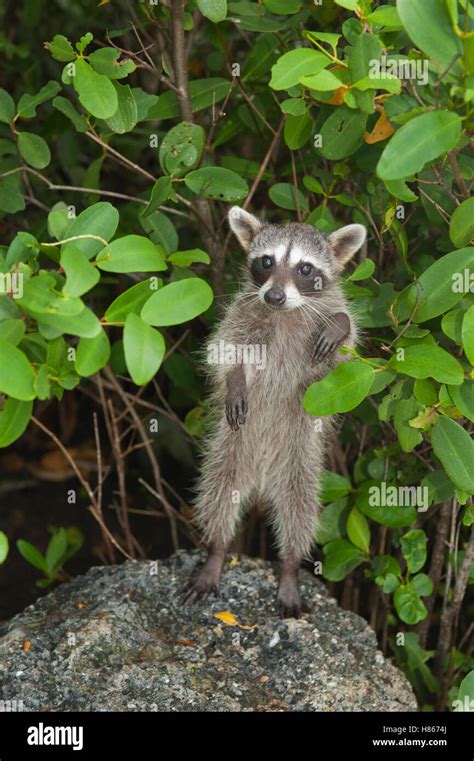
<point>200,587</point>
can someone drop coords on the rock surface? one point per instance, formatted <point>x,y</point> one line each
<point>116,639</point>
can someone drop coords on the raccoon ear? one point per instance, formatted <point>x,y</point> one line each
<point>345,242</point>
<point>244,225</point>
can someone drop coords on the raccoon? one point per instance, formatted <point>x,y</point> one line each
<point>264,446</point>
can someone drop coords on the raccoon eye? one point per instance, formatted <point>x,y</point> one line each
<point>267,262</point>
<point>305,270</point>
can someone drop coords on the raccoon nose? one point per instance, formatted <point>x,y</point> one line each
<point>275,296</point>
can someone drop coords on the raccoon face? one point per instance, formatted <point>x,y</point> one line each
<point>293,263</point>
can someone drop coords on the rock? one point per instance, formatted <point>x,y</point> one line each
<point>116,639</point>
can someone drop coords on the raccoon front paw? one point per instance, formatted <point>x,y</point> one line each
<point>331,337</point>
<point>236,409</point>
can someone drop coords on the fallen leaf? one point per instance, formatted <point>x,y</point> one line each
<point>382,129</point>
<point>337,97</point>
<point>26,645</point>
<point>229,619</point>
<point>185,642</point>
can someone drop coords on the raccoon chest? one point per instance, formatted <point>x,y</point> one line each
<point>284,369</point>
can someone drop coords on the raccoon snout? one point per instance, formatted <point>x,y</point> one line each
<point>275,296</point>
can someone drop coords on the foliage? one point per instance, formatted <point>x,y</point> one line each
<point>114,168</point>
<point>64,543</point>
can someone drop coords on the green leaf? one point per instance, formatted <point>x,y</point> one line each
<point>418,142</point>
<point>34,150</point>
<point>333,486</point>
<point>363,270</point>
<point>283,194</point>
<point>92,354</point>
<point>439,288</point>
<point>106,61</point>
<point>341,557</point>
<point>350,5</point>
<point>293,106</point>
<point>451,325</point>
<point>131,301</point>
<point>408,604</point>
<point>132,253</point>
<point>358,530</point>
<point>422,584</point>
<point>56,550</point>
<point>332,524</point>
<point>406,410</point>
<point>341,390</point>
<point>178,302</point>
<point>283,7</point>
<point>383,82</point>
<point>389,583</point>
<point>4,546</point>
<point>11,199</point>
<point>400,190</point>
<point>214,10</point>
<point>461,227</point>
<point>7,107</point>
<point>32,555</point>
<point>12,331</point>
<point>387,16</point>
<point>84,42</point>
<point>145,101</point>
<point>85,324</point>
<point>203,93</point>
<point>144,349</point>
<point>16,373</point>
<point>61,49</point>
<point>468,334</point>
<point>28,104</point>
<point>463,397</point>
<point>428,361</point>
<point>365,49</point>
<point>161,230</point>
<point>96,92</point>
<point>81,275</point>
<point>454,448</point>
<point>342,133</point>
<point>126,116</point>
<point>425,392</point>
<point>372,502</point>
<point>413,546</point>
<point>186,258</point>
<point>181,149</point>
<point>427,23</point>
<point>293,65</point>
<point>101,220</point>
<point>65,107</point>
<point>160,192</point>
<point>297,131</point>
<point>466,688</point>
<point>14,418</point>
<point>325,81</point>
<point>217,183</point>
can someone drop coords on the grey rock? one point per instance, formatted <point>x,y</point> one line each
<point>117,639</point>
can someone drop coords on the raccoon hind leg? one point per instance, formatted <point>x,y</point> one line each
<point>223,491</point>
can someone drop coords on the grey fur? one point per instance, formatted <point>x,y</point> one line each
<point>277,455</point>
